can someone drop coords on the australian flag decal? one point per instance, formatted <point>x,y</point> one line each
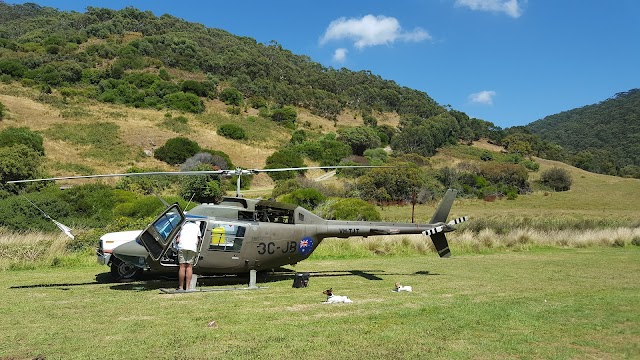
<point>305,246</point>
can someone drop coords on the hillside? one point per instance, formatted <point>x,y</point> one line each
<point>603,137</point>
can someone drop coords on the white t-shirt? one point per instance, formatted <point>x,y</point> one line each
<point>189,236</point>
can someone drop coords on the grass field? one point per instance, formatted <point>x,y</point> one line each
<point>560,304</point>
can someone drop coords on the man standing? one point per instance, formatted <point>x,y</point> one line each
<point>187,242</point>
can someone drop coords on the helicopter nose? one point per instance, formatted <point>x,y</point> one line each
<point>131,248</point>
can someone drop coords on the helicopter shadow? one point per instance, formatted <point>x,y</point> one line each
<point>265,277</point>
<point>156,282</point>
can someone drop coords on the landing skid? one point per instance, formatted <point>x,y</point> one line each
<point>194,281</point>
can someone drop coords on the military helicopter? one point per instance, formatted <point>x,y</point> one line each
<point>242,235</point>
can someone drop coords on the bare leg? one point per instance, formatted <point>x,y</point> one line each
<point>181,276</point>
<point>188,274</point>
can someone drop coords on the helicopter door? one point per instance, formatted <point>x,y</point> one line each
<point>159,235</point>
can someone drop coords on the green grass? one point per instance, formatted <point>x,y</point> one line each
<point>561,304</point>
<point>101,139</point>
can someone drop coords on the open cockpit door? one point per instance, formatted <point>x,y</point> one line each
<point>157,237</point>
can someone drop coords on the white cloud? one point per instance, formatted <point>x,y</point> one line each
<point>340,55</point>
<point>512,8</point>
<point>483,97</point>
<point>371,31</point>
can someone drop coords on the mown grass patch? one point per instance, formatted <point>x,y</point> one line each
<point>544,304</point>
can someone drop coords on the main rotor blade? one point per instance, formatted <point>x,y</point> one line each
<point>208,172</point>
<point>230,172</point>
<point>322,167</point>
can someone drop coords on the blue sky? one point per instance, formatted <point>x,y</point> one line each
<point>510,62</point>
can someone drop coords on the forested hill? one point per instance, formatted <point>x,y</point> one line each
<point>603,137</point>
<point>130,39</point>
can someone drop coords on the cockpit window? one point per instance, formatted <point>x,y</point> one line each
<point>165,224</point>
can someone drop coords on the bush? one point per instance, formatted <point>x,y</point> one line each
<point>176,124</point>
<point>308,198</point>
<point>143,207</point>
<point>2,111</point>
<point>348,209</point>
<point>285,115</point>
<point>22,135</point>
<point>201,188</point>
<point>231,96</point>
<point>184,102</point>
<point>17,162</point>
<point>285,187</point>
<point>176,150</point>
<point>530,165</point>
<point>232,131</point>
<point>557,179</point>
<point>194,87</point>
<point>285,158</point>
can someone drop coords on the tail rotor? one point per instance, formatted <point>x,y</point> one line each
<point>437,233</point>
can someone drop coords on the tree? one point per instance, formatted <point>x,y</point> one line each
<point>359,138</point>
<point>284,158</point>
<point>557,179</point>
<point>22,135</point>
<point>308,198</point>
<point>201,188</point>
<point>17,162</point>
<point>389,184</point>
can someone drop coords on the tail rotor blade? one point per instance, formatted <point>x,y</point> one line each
<point>441,244</point>
<point>458,220</point>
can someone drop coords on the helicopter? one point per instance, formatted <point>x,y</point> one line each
<point>242,235</point>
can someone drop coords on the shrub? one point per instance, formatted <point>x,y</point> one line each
<point>146,185</point>
<point>232,131</point>
<point>17,162</point>
<point>176,150</point>
<point>308,198</point>
<point>233,110</point>
<point>530,165</point>
<point>348,209</point>
<point>184,102</point>
<point>257,102</point>
<point>194,87</point>
<point>557,179</point>
<point>231,96</point>
<point>176,124</point>
<point>284,158</point>
<point>285,187</point>
<point>285,115</point>
<point>486,156</point>
<point>1,111</point>
<point>142,207</point>
<point>201,188</point>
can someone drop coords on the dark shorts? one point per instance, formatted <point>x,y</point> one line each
<point>186,256</point>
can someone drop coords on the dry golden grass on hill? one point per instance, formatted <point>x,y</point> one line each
<point>140,130</point>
